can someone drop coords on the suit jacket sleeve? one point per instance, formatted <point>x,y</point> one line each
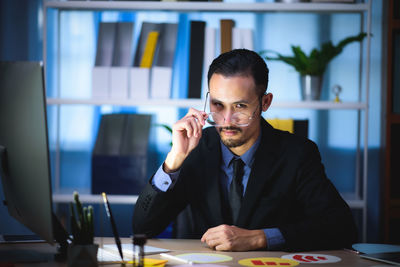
<point>155,209</point>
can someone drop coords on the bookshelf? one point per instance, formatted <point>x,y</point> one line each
<point>356,200</point>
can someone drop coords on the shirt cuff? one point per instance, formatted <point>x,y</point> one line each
<point>275,239</point>
<point>164,181</point>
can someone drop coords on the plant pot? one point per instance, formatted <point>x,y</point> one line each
<point>82,255</point>
<point>311,87</point>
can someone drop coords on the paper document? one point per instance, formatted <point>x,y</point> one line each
<point>106,257</point>
<point>109,253</point>
<point>128,249</point>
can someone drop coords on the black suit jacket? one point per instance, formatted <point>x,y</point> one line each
<point>287,189</point>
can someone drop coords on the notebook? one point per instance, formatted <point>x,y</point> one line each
<point>388,257</point>
<point>109,252</point>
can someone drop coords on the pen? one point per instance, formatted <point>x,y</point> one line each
<point>352,251</point>
<point>171,257</point>
<point>114,227</point>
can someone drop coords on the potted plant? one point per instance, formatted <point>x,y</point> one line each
<point>312,67</point>
<point>82,251</point>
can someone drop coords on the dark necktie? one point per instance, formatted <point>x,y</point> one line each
<point>236,188</point>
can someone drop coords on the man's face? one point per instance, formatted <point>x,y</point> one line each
<point>235,94</point>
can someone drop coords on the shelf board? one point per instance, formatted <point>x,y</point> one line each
<point>354,201</point>
<point>319,105</point>
<point>187,103</point>
<point>128,102</point>
<point>351,200</point>
<point>90,198</point>
<point>207,6</point>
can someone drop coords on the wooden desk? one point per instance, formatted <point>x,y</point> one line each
<point>179,246</point>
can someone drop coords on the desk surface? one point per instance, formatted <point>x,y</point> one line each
<point>179,246</point>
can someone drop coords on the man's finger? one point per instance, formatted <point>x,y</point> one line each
<point>212,231</point>
<point>188,128</point>
<point>199,115</point>
<point>222,247</point>
<point>195,125</point>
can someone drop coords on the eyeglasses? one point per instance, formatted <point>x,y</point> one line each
<point>238,118</point>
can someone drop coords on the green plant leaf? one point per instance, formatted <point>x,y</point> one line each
<point>316,63</point>
<point>82,226</point>
<point>165,126</point>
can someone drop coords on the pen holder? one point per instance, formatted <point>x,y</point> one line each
<point>138,257</point>
<point>82,255</point>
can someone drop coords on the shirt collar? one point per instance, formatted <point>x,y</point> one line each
<point>248,157</point>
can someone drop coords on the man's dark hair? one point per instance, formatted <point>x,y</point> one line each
<point>242,62</point>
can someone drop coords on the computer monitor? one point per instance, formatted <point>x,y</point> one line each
<point>24,150</point>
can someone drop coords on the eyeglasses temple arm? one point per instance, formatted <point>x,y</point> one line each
<point>205,102</point>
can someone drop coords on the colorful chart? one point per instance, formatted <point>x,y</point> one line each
<point>268,262</point>
<point>202,265</point>
<point>312,258</point>
<point>204,257</point>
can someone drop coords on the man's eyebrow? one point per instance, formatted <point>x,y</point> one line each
<point>241,102</point>
<point>216,101</point>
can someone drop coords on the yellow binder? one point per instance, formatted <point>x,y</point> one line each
<point>282,124</point>
<point>148,54</point>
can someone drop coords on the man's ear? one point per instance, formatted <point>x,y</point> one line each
<point>266,101</point>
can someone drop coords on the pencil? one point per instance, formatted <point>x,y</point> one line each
<point>171,257</point>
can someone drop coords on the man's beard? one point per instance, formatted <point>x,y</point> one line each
<point>228,141</point>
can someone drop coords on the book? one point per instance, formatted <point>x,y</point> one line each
<point>121,60</point>
<point>247,37</point>
<point>226,26</point>
<point>236,38</point>
<point>123,44</point>
<point>103,61</point>
<point>140,77</point>
<point>150,49</point>
<point>146,28</point>
<point>196,58</point>
<point>209,55</point>
<point>161,73</point>
<point>167,45</point>
<point>242,38</point>
<point>105,44</point>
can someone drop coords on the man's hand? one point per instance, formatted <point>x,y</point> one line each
<point>186,134</point>
<point>232,238</point>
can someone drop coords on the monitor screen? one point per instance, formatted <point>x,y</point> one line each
<point>24,153</point>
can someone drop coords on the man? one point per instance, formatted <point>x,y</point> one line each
<point>276,196</point>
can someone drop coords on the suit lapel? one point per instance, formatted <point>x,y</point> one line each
<point>265,158</point>
<point>212,170</point>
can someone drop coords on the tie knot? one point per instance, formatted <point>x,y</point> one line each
<point>237,164</point>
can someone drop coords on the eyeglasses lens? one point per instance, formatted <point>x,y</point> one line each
<point>238,119</point>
